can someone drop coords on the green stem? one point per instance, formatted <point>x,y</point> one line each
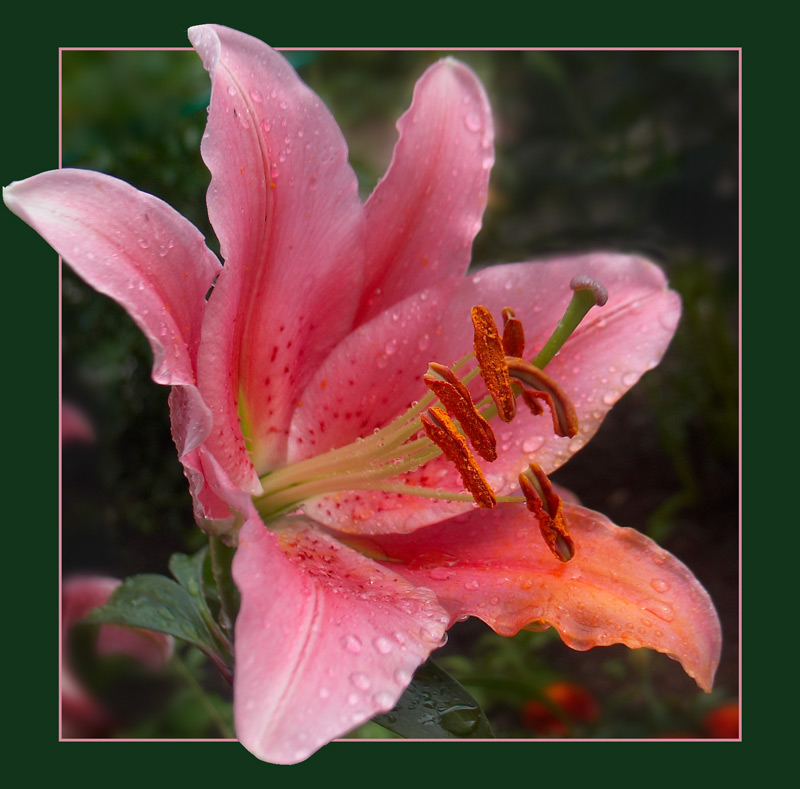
<point>202,697</point>
<point>221,558</point>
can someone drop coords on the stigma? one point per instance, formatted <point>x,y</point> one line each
<point>448,421</point>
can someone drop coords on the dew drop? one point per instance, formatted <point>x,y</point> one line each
<point>576,444</point>
<point>382,644</point>
<point>231,90</point>
<point>402,676</point>
<point>471,584</point>
<point>629,379</point>
<point>532,444</point>
<point>256,96</point>
<point>390,347</point>
<point>360,680</point>
<point>473,122</point>
<point>351,643</point>
<point>611,397</point>
<point>661,610</point>
<point>424,342</point>
<point>383,700</point>
<point>669,320</point>
<point>660,585</point>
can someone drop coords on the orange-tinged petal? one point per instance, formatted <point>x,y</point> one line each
<point>620,588</point>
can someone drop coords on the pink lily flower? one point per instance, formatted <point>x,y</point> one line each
<point>301,414</point>
<point>81,714</point>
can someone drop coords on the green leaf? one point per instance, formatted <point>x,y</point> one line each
<point>435,706</point>
<point>188,572</point>
<point>155,602</point>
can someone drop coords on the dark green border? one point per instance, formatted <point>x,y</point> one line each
<point>30,90</point>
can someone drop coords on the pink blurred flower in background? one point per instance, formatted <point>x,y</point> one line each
<point>82,716</point>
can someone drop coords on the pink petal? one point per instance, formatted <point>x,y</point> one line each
<point>284,204</point>
<point>426,211</point>
<point>81,715</point>
<point>325,639</point>
<point>376,372</point>
<point>151,260</point>
<point>620,588</point>
<point>132,247</point>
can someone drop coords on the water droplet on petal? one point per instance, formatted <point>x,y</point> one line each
<point>360,680</point>
<point>351,643</point>
<point>532,444</point>
<point>661,610</point>
<point>473,122</point>
<point>402,676</point>
<point>382,644</point>
<point>660,585</point>
<point>629,379</point>
<point>576,444</point>
<point>383,700</point>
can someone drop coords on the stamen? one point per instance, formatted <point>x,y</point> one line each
<point>537,385</point>
<point>441,430</point>
<point>546,505</point>
<point>455,397</point>
<point>492,363</point>
<point>587,293</point>
<point>513,334</point>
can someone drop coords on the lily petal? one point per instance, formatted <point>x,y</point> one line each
<point>376,373</point>
<point>151,260</point>
<point>427,209</point>
<point>620,588</point>
<point>132,247</point>
<point>284,203</point>
<point>338,645</point>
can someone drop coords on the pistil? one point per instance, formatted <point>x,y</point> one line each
<point>587,293</point>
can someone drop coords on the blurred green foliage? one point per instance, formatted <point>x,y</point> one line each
<point>631,150</point>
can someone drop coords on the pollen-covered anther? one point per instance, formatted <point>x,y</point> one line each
<point>513,334</point>
<point>455,397</point>
<point>440,429</point>
<point>546,505</point>
<point>537,385</point>
<point>492,362</point>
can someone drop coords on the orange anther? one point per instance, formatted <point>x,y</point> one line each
<point>440,429</point>
<point>513,334</point>
<point>492,362</point>
<point>537,385</point>
<point>455,397</point>
<point>546,505</point>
